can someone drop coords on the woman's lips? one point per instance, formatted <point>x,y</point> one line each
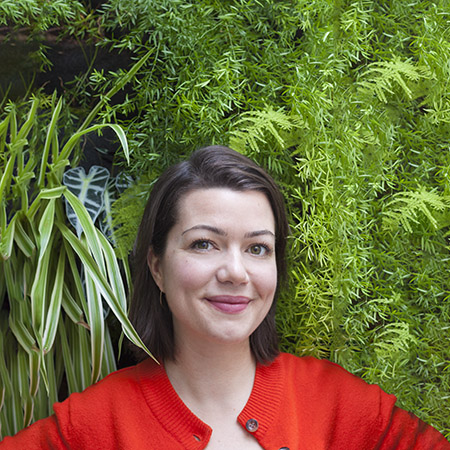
<point>229,304</point>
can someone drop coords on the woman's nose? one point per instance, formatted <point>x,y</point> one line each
<point>232,269</point>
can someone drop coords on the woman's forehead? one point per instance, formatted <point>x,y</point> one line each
<point>223,207</point>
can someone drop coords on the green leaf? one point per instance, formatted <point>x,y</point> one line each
<point>51,135</point>
<point>88,228</point>
<point>46,226</point>
<point>113,271</point>
<point>77,284</point>
<point>44,194</point>
<point>24,241</point>
<point>96,324</point>
<point>24,388</point>
<point>54,310</point>
<point>52,193</point>
<point>26,127</point>
<point>38,292</point>
<point>73,140</point>
<point>5,180</point>
<point>71,307</point>
<point>7,239</point>
<point>72,381</point>
<point>6,387</point>
<point>102,284</point>
<point>22,335</point>
<point>89,189</point>
<point>109,358</point>
<point>35,364</point>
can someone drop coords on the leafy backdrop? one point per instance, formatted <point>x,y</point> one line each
<point>347,103</point>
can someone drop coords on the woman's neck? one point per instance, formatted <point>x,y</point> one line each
<point>213,377</point>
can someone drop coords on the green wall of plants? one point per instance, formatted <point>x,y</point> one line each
<point>347,104</point>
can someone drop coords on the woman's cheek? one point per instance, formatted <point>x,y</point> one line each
<point>192,272</point>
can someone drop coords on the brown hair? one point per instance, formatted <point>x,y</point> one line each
<point>209,167</point>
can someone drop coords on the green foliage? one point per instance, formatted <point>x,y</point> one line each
<point>347,104</point>
<point>48,318</point>
<point>39,15</point>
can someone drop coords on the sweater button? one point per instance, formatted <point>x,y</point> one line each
<point>284,448</point>
<point>252,425</point>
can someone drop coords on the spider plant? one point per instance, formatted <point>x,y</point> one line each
<point>57,280</point>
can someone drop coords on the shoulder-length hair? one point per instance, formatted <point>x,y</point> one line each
<point>208,167</point>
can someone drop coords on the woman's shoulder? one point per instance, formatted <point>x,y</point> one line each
<point>309,366</point>
<point>102,412</point>
<point>323,380</point>
<point>116,385</point>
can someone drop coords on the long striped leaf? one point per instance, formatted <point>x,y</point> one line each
<point>88,228</point>
<point>81,356</point>
<point>35,364</point>
<point>113,271</point>
<point>5,180</point>
<point>21,333</point>
<point>24,242</point>
<point>7,239</point>
<point>51,133</point>
<point>38,292</point>
<point>15,411</point>
<point>72,381</point>
<point>26,127</point>
<point>71,307</point>
<point>54,310</point>
<point>70,144</point>
<point>48,359</point>
<point>122,138</point>
<point>14,290</point>
<point>12,122</point>
<point>51,193</point>
<point>24,388</point>
<point>46,226</point>
<point>44,194</point>
<point>97,326</point>
<point>109,358</point>
<point>5,380</point>
<point>102,284</point>
<point>3,131</point>
<point>2,283</point>
<point>78,289</point>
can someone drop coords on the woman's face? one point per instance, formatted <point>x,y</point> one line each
<point>218,271</point>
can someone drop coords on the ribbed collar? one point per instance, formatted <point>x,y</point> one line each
<point>193,434</point>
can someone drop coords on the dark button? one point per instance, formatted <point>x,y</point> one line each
<point>284,448</point>
<point>252,425</point>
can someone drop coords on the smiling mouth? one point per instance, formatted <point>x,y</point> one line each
<point>229,304</point>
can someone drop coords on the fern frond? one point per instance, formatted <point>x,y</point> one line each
<point>254,127</point>
<point>394,337</point>
<point>406,207</point>
<point>380,78</point>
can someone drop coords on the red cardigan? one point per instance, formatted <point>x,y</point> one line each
<point>296,403</point>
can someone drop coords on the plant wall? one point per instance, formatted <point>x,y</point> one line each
<point>347,103</point>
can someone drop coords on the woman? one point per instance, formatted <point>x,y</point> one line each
<point>209,261</point>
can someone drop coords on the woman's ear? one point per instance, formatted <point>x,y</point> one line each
<point>154,264</point>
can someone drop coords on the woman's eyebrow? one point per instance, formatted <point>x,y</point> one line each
<point>206,227</point>
<point>259,233</point>
<point>221,232</point>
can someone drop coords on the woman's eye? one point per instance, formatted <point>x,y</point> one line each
<point>201,245</point>
<point>258,250</point>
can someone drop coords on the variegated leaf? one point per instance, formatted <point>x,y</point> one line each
<point>89,189</point>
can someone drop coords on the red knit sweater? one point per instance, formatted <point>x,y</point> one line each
<point>296,403</point>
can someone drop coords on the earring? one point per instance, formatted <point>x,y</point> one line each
<point>160,298</point>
